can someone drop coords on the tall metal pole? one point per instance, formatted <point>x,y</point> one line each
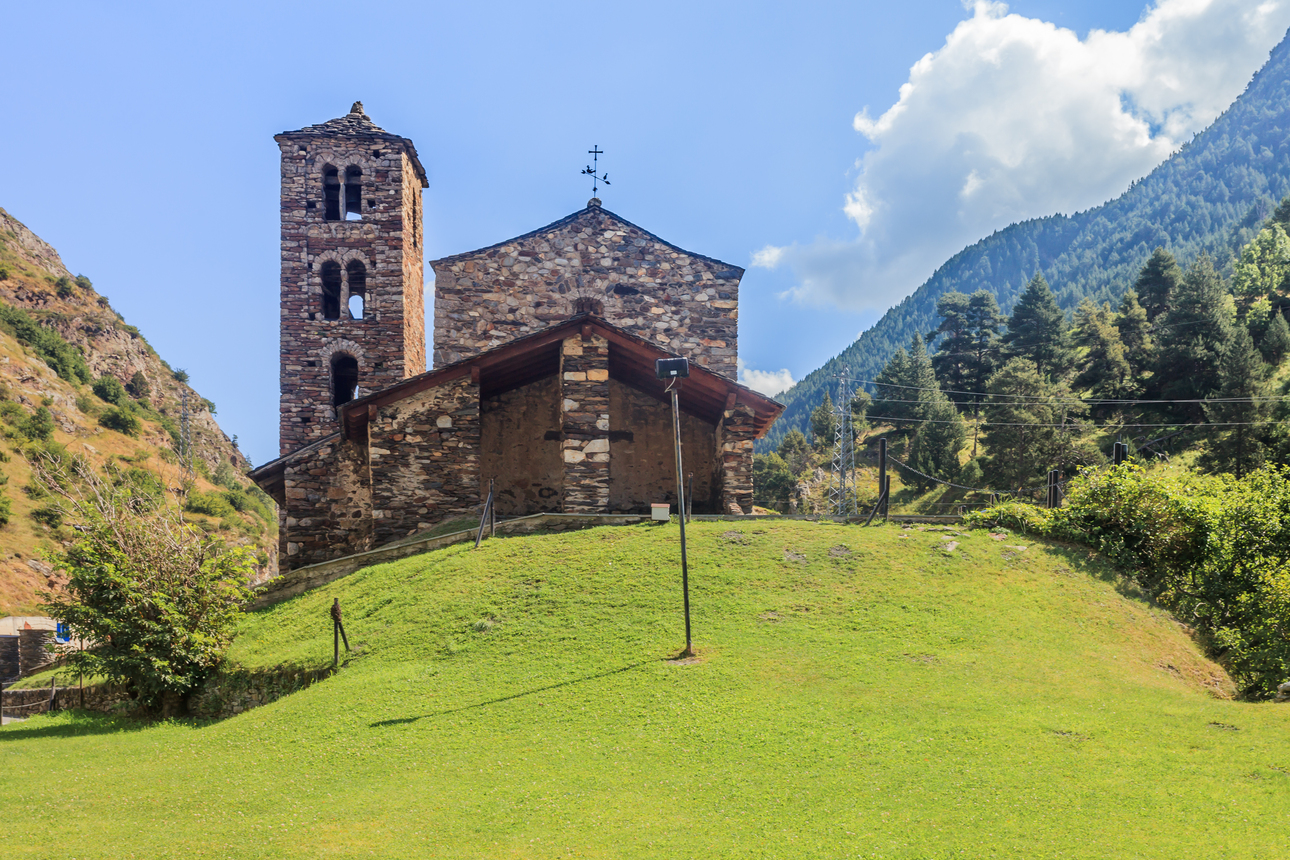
<point>680,510</point>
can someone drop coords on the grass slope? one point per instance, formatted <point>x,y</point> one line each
<point>860,693</point>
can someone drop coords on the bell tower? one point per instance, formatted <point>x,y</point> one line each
<point>353,306</point>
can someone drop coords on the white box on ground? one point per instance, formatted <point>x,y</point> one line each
<point>662,513</point>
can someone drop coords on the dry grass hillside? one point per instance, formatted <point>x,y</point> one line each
<point>35,287</point>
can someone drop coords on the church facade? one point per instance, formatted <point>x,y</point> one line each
<point>542,379</point>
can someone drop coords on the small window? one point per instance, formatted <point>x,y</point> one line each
<point>331,193</point>
<point>353,193</point>
<point>330,277</point>
<point>357,273</point>
<point>344,378</point>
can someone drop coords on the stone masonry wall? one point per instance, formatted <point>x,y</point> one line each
<point>643,468</point>
<point>735,436</point>
<point>328,510</point>
<point>596,262</point>
<point>389,341</point>
<point>584,409</point>
<point>425,460</point>
<point>520,448</point>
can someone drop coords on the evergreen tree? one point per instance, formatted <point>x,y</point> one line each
<point>984,322</point>
<point>1135,334</point>
<point>1264,264</point>
<point>1195,332</point>
<point>1037,330</point>
<point>823,423</point>
<point>795,451</point>
<point>1275,343</point>
<point>1238,447</point>
<point>1103,369</point>
<point>899,388</point>
<point>773,481</point>
<point>956,346</point>
<point>935,448</point>
<point>1156,283</point>
<point>1032,425</point>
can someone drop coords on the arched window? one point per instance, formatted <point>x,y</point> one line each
<point>357,274</point>
<point>331,194</point>
<point>353,193</point>
<point>344,378</point>
<point>329,274</point>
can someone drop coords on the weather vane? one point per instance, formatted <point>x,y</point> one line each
<point>595,152</point>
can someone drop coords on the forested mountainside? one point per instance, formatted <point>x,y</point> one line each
<point>1211,196</point>
<point>75,378</point>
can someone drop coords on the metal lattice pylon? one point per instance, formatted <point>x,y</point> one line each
<point>185,439</point>
<point>842,493</point>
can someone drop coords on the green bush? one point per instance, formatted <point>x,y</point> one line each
<point>1015,516</point>
<point>1213,548</point>
<point>63,358</point>
<point>86,404</point>
<point>11,413</point>
<point>6,510</point>
<point>39,425</point>
<point>138,387</point>
<point>48,515</point>
<point>84,283</point>
<point>66,287</point>
<point>209,503</point>
<point>180,375</point>
<point>109,389</point>
<point>120,420</point>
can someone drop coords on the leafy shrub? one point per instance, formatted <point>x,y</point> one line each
<point>39,425</point>
<point>48,515</point>
<point>4,273</point>
<point>1012,515</point>
<point>66,287</point>
<point>1214,549</point>
<point>11,413</point>
<point>109,389</point>
<point>63,358</point>
<point>120,420</point>
<point>87,406</point>
<point>84,283</point>
<point>209,503</point>
<point>180,375</point>
<point>138,386</point>
<point>6,510</point>
<point>225,476</point>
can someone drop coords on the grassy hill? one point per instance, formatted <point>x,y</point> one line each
<point>882,692</point>
<point>58,335</point>
<point>1211,196</point>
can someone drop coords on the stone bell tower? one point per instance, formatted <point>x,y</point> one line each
<point>353,309</point>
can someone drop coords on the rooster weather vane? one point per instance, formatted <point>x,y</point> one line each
<point>595,152</point>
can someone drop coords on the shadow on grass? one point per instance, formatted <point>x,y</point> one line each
<point>81,723</point>
<point>401,721</point>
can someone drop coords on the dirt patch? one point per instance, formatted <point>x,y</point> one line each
<point>951,546</point>
<point>770,616</point>
<point>839,551</point>
<point>925,659</point>
<point>789,555</point>
<point>735,537</point>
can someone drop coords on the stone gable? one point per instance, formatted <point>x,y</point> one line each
<point>592,262</point>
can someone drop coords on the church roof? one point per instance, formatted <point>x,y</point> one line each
<point>356,123</point>
<point>592,210</point>
<point>705,394</point>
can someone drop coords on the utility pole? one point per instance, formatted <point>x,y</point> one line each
<point>674,370</point>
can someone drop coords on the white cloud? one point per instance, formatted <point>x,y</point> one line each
<point>1015,118</point>
<point>768,382</point>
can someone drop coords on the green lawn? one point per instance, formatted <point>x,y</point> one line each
<point>859,693</point>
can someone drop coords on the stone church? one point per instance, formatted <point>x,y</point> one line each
<point>542,375</point>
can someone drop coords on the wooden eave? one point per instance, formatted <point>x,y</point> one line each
<point>705,394</point>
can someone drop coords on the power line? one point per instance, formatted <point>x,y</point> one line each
<point>1081,400</point>
<point>1074,426</point>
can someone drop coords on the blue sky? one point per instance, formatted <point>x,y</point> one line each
<point>140,142</point>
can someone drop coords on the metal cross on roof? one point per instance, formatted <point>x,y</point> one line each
<point>595,152</point>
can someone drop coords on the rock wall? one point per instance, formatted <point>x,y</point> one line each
<point>643,468</point>
<point>389,340</point>
<point>584,423</point>
<point>735,437</point>
<point>328,510</point>
<point>424,459</point>
<point>520,448</point>
<point>593,261</point>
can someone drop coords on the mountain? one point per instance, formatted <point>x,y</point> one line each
<point>58,338</point>
<point>1210,196</point>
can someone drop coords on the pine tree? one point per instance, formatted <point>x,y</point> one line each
<point>1032,425</point>
<point>795,451</point>
<point>823,423</point>
<point>1193,336</point>
<point>891,399</point>
<point>935,448</point>
<point>1275,343</point>
<point>1135,334</point>
<point>1103,370</point>
<point>1156,283</point>
<point>1037,330</point>
<point>956,347</point>
<point>1238,447</point>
